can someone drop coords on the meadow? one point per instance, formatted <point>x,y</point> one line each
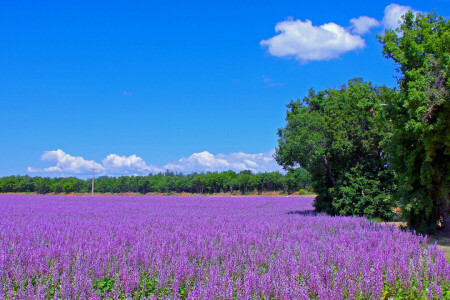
<point>150,247</point>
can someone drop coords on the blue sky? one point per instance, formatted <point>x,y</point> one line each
<point>132,87</point>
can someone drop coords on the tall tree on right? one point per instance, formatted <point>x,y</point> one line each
<point>420,145</point>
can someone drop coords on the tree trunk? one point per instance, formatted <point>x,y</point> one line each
<point>443,211</point>
<point>325,162</point>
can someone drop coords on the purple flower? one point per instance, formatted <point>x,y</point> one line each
<point>63,247</point>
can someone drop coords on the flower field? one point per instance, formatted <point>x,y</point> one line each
<point>72,247</point>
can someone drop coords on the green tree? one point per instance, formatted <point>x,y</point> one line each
<point>273,181</point>
<point>24,184</point>
<point>242,181</point>
<point>228,181</point>
<point>420,146</point>
<point>256,184</point>
<point>296,179</point>
<point>337,136</point>
<point>57,185</point>
<point>7,184</point>
<point>42,185</point>
<point>69,185</point>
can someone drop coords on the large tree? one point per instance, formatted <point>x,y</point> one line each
<point>421,117</point>
<point>337,135</point>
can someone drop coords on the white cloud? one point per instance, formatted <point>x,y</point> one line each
<point>132,164</point>
<point>205,161</point>
<point>363,24</point>
<point>393,15</point>
<point>307,42</point>
<point>113,164</point>
<point>65,163</point>
<point>202,160</point>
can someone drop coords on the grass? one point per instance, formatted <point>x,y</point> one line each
<point>442,242</point>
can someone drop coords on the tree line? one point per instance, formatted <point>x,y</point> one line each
<point>370,148</point>
<point>212,182</point>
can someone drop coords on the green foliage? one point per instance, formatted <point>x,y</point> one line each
<point>420,145</point>
<point>103,285</point>
<point>168,182</point>
<point>415,292</point>
<point>295,178</point>
<point>337,135</point>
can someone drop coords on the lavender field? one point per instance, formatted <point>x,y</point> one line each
<point>64,247</point>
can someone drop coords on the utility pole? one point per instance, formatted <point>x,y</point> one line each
<point>93,178</point>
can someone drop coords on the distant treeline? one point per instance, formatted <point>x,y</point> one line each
<point>169,182</point>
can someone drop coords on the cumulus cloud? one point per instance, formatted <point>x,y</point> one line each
<point>132,164</point>
<point>113,164</point>
<point>306,42</point>
<point>363,24</point>
<point>393,15</point>
<point>65,163</point>
<point>205,161</point>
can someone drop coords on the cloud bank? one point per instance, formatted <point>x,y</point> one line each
<point>205,161</point>
<point>307,42</point>
<point>65,164</point>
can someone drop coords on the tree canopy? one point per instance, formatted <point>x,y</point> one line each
<point>420,145</point>
<point>337,136</point>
